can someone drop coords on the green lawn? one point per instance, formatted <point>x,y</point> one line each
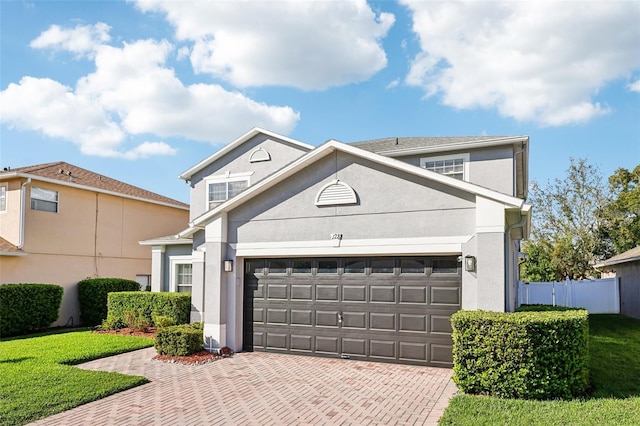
<point>37,377</point>
<point>615,380</point>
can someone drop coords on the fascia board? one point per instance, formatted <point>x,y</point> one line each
<point>166,242</point>
<point>455,147</point>
<point>12,253</point>
<point>186,175</point>
<point>331,146</point>
<point>93,189</point>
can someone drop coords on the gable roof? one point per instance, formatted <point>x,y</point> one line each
<point>187,174</point>
<point>332,146</point>
<point>627,256</point>
<point>392,147</point>
<point>66,174</point>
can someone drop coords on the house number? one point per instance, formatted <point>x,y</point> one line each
<point>336,236</point>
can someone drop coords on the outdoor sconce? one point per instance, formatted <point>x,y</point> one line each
<point>470,263</point>
<point>228,265</point>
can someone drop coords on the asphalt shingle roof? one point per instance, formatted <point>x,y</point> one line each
<point>68,173</point>
<point>407,143</point>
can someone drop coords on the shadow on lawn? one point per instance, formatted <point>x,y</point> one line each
<point>15,360</point>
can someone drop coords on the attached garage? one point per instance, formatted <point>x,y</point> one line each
<point>389,309</point>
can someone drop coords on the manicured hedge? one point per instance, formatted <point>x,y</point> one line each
<point>530,355</point>
<point>176,306</point>
<point>27,307</point>
<point>544,308</point>
<point>179,340</point>
<point>92,296</point>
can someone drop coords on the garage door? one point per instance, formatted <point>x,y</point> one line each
<point>391,309</point>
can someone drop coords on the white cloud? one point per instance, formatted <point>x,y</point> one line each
<point>635,86</point>
<point>308,45</point>
<point>133,92</point>
<point>532,61</point>
<point>393,84</point>
<point>81,40</point>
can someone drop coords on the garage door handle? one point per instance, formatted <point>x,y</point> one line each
<point>340,317</point>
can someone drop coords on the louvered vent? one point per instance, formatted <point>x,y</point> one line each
<point>336,193</point>
<point>258,155</point>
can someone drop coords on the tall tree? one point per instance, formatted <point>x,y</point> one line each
<point>565,231</point>
<point>621,217</point>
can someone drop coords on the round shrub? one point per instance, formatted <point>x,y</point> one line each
<point>28,307</point>
<point>92,296</point>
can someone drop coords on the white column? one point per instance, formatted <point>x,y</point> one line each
<point>215,295</point>
<point>157,267</point>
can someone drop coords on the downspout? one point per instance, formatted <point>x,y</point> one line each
<point>507,259</point>
<point>23,210</point>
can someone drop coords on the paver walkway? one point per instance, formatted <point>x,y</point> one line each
<point>257,388</point>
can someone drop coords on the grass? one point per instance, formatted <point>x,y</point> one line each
<point>615,380</point>
<point>38,379</point>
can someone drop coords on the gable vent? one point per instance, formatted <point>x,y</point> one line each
<point>258,155</point>
<point>336,193</point>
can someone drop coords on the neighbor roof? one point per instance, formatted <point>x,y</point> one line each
<point>627,256</point>
<point>69,175</point>
<point>419,145</point>
<point>8,249</point>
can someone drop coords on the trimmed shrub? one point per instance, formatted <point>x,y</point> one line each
<point>545,308</point>
<point>92,296</point>
<point>27,307</point>
<point>530,355</point>
<point>176,306</point>
<point>161,320</point>
<point>179,340</point>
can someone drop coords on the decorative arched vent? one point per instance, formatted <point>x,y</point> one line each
<point>336,193</point>
<point>258,155</point>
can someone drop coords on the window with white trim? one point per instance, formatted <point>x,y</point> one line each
<point>225,187</point>
<point>44,199</point>
<point>455,166</point>
<point>181,274</point>
<point>3,198</point>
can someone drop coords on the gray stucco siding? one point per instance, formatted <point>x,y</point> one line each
<point>237,161</point>
<point>172,250</point>
<point>391,204</point>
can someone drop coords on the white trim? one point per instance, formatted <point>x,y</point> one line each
<point>6,197</point>
<point>188,174</point>
<point>259,155</point>
<point>173,262</point>
<point>359,247</point>
<point>465,162</point>
<point>166,242</point>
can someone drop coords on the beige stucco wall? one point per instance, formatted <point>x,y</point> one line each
<point>92,235</point>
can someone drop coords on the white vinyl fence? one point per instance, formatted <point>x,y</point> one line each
<point>597,296</point>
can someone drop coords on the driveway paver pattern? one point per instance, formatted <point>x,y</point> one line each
<point>256,388</point>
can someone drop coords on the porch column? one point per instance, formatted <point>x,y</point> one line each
<point>490,227</point>
<point>215,294</point>
<point>157,267</point>
<point>197,289</point>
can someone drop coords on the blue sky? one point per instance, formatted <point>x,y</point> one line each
<point>142,90</point>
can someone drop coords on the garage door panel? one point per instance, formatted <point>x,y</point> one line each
<point>354,347</point>
<point>301,342</point>
<point>277,291</point>
<point>327,318</point>
<point>301,292</point>
<point>413,294</point>
<point>440,324</point>
<point>277,316</point>
<point>382,294</point>
<point>354,293</point>
<point>445,296</point>
<point>258,315</point>
<point>413,322</point>
<point>327,292</point>
<point>413,351</point>
<point>354,320</point>
<point>301,317</point>
<point>380,321</point>
<point>327,344</point>
<point>276,341</point>
<point>441,354</point>
<point>258,339</point>
<point>382,348</point>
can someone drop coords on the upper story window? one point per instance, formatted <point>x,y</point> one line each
<point>3,198</point>
<point>221,188</point>
<point>44,199</point>
<point>455,166</point>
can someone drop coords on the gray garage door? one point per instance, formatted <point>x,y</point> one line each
<point>391,309</point>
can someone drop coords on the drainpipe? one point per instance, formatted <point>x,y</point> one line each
<point>507,258</point>
<point>23,210</point>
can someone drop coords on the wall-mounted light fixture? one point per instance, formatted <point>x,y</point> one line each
<point>228,265</point>
<point>470,263</point>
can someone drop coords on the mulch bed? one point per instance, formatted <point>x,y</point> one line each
<point>198,358</point>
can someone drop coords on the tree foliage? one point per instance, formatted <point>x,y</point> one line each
<point>566,229</point>
<point>621,217</point>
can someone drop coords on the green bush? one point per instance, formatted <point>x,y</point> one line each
<point>161,320</point>
<point>27,307</point>
<point>530,355</point>
<point>545,308</point>
<point>176,306</point>
<point>179,340</point>
<point>92,296</point>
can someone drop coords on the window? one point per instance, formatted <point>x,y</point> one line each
<point>382,266</point>
<point>301,266</point>
<point>445,265</point>
<point>412,266</point>
<point>3,198</point>
<point>277,266</point>
<point>44,199</point>
<point>144,281</point>
<point>328,266</point>
<point>223,187</point>
<point>454,166</point>
<point>354,266</point>
<point>181,279</point>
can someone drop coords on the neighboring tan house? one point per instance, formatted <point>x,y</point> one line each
<point>60,224</point>
<point>625,266</point>
<point>359,250</point>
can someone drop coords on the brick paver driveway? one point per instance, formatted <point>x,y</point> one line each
<point>262,388</point>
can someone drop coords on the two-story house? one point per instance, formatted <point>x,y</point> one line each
<point>360,250</point>
<point>60,224</point>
